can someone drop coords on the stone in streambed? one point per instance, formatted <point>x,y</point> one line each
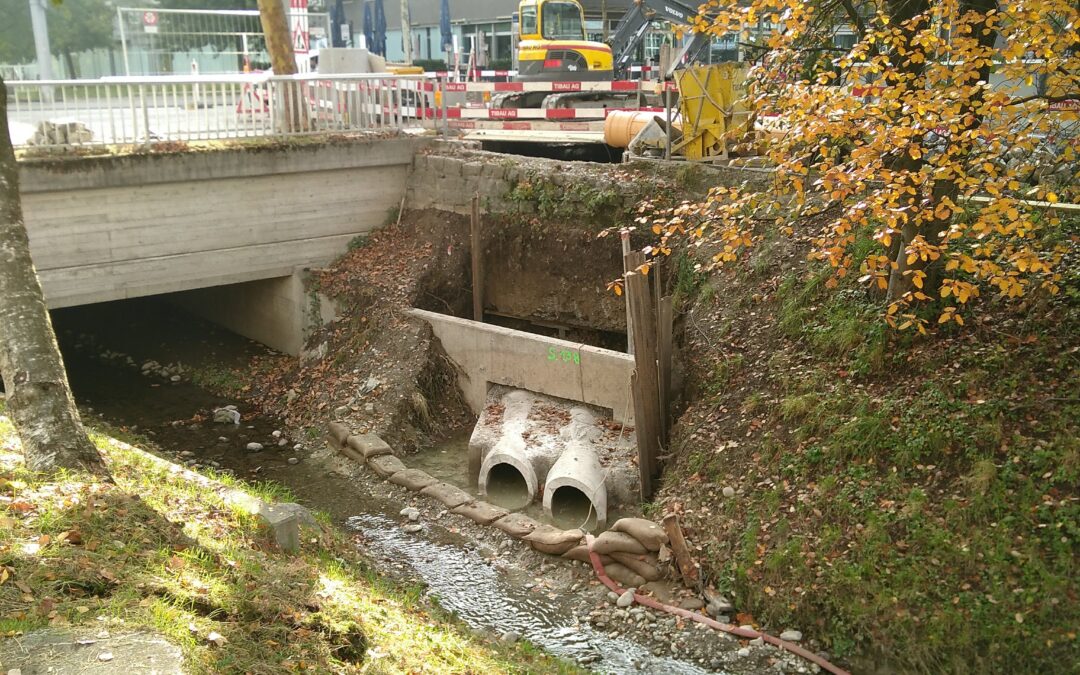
<point>626,599</point>
<point>254,447</point>
<point>791,636</point>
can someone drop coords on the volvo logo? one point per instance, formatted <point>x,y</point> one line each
<point>676,13</point>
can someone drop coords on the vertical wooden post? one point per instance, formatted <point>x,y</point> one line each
<point>477,252</point>
<point>646,381</point>
<point>664,321</point>
<point>679,548</point>
<point>624,237</point>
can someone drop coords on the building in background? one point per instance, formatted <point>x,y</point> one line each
<point>487,24</point>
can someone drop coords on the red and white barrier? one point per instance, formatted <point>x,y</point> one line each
<point>532,113</point>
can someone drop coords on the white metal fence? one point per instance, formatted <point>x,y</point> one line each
<point>153,39</point>
<point>146,110</point>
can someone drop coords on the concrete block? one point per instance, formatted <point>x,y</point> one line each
<point>284,521</point>
<point>369,445</point>
<point>492,354</point>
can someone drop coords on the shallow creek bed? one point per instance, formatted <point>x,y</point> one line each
<point>503,588</point>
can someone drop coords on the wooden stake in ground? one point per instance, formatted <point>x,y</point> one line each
<point>39,398</point>
<point>646,379</point>
<point>665,318</point>
<point>477,253</point>
<point>687,568</point>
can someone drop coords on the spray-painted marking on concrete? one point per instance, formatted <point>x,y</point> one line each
<point>564,355</point>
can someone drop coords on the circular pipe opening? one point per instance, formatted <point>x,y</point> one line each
<point>506,487</point>
<point>570,508</point>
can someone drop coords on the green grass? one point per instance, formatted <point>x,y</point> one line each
<point>927,515</point>
<point>156,550</point>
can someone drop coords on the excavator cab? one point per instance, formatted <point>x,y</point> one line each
<point>552,45</point>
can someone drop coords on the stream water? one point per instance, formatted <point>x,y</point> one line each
<point>97,341</point>
<point>467,585</point>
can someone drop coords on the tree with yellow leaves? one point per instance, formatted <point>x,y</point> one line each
<point>944,134</point>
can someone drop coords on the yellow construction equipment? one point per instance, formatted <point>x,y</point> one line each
<point>711,116</point>
<point>710,109</point>
<point>553,47</point>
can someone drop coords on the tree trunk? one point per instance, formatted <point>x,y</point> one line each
<point>289,98</point>
<point>275,25</point>
<point>899,282</point>
<point>39,399</point>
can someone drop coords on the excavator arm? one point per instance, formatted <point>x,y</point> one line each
<point>635,23</point>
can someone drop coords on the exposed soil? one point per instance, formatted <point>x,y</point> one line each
<point>379,370</point>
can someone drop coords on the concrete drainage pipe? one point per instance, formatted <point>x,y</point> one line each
<point>575,494</point>
<point>507,477</point>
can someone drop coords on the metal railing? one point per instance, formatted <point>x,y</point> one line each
<point>148,110</point>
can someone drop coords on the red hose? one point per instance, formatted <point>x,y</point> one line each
<point>702,619</point>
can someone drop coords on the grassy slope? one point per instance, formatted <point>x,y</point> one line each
<point>910,502</point>
<point>156,551</point>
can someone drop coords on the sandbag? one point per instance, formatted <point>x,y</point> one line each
<point>516,525</point>
<point>624,575</point>
<point>553,541</point>
<point>645,566</point>
<point>451,496</point>
<point>412,479</point>
<point>386,465</point>
<point>481,513</point>
<point>617,542</point>
<point>338,434</point>
<point>369,445</point>
<point>650,534</point>
<point>581,554</point>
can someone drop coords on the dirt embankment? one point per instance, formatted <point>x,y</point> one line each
<point>546,271</point>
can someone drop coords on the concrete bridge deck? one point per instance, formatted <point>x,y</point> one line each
<point>107,228</point>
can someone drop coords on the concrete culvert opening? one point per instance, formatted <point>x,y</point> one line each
<point>506,487</point>
<point>570,508</point>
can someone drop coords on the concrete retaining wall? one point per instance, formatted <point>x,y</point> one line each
<point>496,355</point>
<point>117,227</point>
<point>449,181</point>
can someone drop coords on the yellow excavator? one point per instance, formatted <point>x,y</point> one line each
<point>553,48</point>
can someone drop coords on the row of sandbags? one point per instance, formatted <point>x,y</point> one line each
<point>630,551</point>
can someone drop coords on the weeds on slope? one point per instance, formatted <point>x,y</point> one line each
<point>902,500</point>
